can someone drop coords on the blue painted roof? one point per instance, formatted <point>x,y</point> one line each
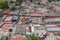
<point>15,18</point>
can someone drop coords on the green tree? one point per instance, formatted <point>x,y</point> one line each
<point>2,38</point>
<point>58,33</point>
<point>20,1</point>
<point>13,8</point>
<point>32,37</point>
<point>50,0</point>
<point>3,4</point>
<point>30,0</point>
<point>4,12</point>
<point>12,2</point>
<point>38,3</point>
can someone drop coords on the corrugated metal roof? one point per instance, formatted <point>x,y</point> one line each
<point>16,38</point>
<point>51,25</point>
<point>35,14</point>
<point>53,29</point>
<point>5,28</point>
<point>52,20</point>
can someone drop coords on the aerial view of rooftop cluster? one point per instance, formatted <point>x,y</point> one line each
<point>29,19</point>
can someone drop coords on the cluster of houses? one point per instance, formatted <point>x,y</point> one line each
<point>31,18</point>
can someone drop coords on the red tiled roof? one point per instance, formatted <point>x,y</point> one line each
<point>52,16</point>
<point>23,19</point>
<point>35,14</point>
<point>35,21</point>
<point>51,6</point>
<point>9,14</point>
<point>5,28</point>
<point>16,38</point>
<point>9,22</point>
<point>51,26</point>
<point>35,6</point>
<point>58,13</point>
<point>45,14</point>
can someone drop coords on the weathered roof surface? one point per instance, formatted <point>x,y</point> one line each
<point>51,25</point>
<point>52,20</point>
<point>5,28</point>
<point>45,13</point>
<point>9,22</point>
<point>16,38</point>
<point>35,14</point>
<point>53,29</point>
<point>58,13</point>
